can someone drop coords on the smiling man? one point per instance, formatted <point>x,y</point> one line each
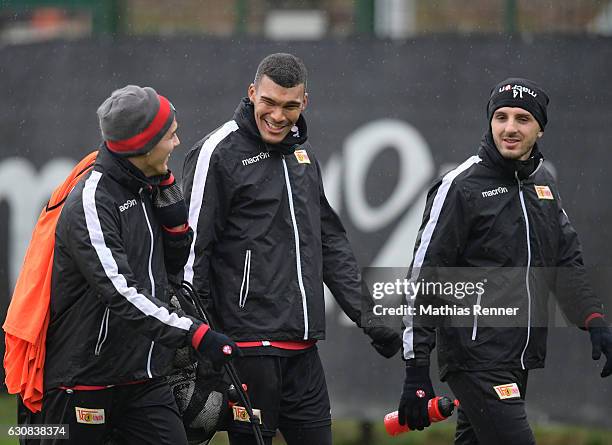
<point>112,334</point>
<point>265,241</point>
<point>499,215</point>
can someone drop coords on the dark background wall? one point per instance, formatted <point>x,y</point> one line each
<point>418,105</point>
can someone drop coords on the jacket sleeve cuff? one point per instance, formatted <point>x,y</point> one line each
<point>198,335</point>
<point>168,180</point>
<point>593,316</point>
<point>417,362</point>
<point>180,230</point>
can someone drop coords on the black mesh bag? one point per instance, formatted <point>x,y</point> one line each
<point>201,397</point>
<point>200,390</point>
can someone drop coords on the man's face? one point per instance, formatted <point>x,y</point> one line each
<point>515,131</point>
<point>277,109</point>
<point>156,161</point>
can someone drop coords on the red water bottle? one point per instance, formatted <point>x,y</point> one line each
<point>439,408</point>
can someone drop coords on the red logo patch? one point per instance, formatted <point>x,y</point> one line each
<point>420,393</point>
<point>227,350</point>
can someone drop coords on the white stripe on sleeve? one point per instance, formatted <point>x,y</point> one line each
<point>110,267</point>
<point>197,189</point>
<point>419,256</point>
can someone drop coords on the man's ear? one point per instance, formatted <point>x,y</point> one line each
<point>540,134</point>
<point>305,102</point>
<point>251,93</point>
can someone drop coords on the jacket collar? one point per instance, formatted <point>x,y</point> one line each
<point>124,172</point>
<point>507,167</point>
<point>245,118</point>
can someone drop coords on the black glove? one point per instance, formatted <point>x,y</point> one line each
<point>417,391</point>
<point>215,346</point>
<point>169,203</point>
<point>385,340</point>
<point>601,339</point>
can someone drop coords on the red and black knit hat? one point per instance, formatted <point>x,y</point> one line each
<point>134,119</point>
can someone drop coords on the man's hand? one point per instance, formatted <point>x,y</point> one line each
<point>385,340</point>
<point>417,391</point>
<point>601,339</point>
<point>169,203</point>
<point>216,347</point>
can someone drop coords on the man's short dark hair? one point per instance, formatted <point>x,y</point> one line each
<point>284,69</point>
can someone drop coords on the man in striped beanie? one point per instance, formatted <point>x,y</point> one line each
<point>139,125</point>
<point>112,333</point>
<point>133,120</point>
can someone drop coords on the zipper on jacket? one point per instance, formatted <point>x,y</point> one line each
<point>103,332</point>
<point>298,260</point>
<point>149,373</point>
<point>475,328</point>
<point>246,273</point>
<point>144,209</point>
<point>524,208</point>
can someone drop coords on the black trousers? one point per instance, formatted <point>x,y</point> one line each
<point>137,414</point>
<point>492,408</point>
<point>291,393</point>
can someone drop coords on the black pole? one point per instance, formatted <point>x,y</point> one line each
<point>367,430</point>
<point>511,17</point>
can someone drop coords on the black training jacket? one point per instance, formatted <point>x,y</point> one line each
<point>110,321</point>
<point>265,236</point>
<point>502,220</point>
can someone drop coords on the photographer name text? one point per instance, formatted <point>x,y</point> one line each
<point>446,310</point>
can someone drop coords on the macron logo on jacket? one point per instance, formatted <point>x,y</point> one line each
<point>494,192</point>
<point>259,157</point>
<point>129,203</point>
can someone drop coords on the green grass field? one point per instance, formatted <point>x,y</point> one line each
<point>347,432</point>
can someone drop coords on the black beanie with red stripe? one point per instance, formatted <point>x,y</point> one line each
<point>134,119</point>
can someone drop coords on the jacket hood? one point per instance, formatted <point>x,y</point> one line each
<point>245,117</point>
<point>509,167</point>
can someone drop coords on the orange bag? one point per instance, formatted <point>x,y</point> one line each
<point>27,317</point>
